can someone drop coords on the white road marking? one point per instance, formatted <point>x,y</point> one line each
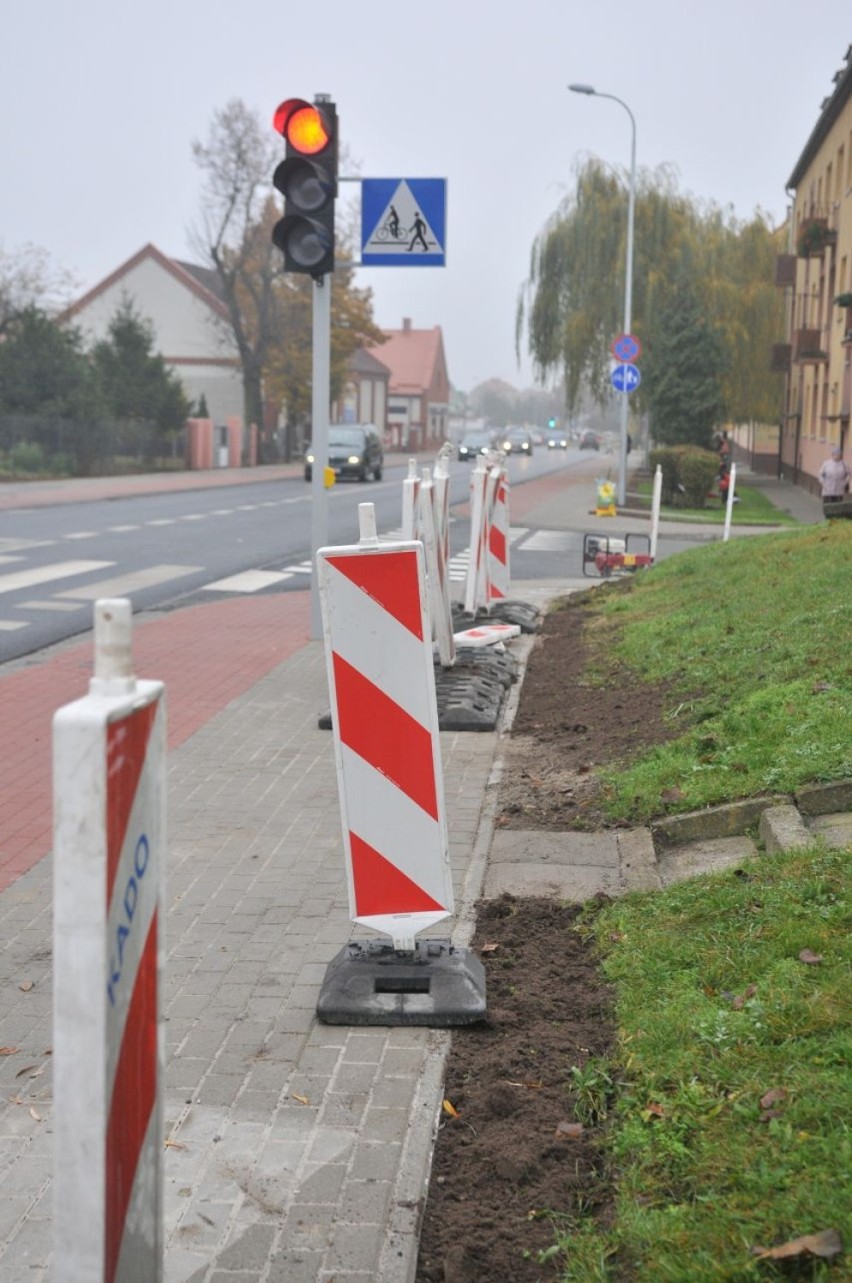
<point>161,521</point>
<point>304,568</point>
<point>23,545</point>
<point>123,585</point>
<point>120,530</point>
<point>248,581</point>
<point>549,541</point>
<point>44,574</point>
<point>11,625</point>
<point>82,534</point>
<point>57,606</point>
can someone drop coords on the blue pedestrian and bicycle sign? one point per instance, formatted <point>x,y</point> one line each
<point>626,378</point>
<point>403,222</point>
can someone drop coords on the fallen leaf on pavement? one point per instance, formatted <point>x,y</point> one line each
<point>32,1070</point>
<point>568,1131</point>
<point>173,1144</point>
<point>303,1100</point>
<point>827,1243</point>
<point>25,986</point>
<point>8,1051</point>
<point>812,959</point>
<point>489,948</point>
<point>449,1108</point>
<point>35,1114</point>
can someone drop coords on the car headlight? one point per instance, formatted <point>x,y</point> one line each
<point>462,449</point>
<point>507,445</point>
<point>309,458</point>
<point>525,445</point>
<point>354,458</point>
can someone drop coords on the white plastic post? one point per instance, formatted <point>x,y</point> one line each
<point>381,681</point>
<point>441,478</point>
<point>729,508</point>
<point>656,502</point>
<point>367,529</point>
<point>437,582</point>
<point>477,520</point>
<point>410,496</point>
<point>109,757</point>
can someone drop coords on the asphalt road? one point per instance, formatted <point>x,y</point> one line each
<point>162,550</point>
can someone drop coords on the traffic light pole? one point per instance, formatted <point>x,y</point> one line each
<point>321,396</point>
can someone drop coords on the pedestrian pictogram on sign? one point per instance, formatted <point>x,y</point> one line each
<point>403,222</point>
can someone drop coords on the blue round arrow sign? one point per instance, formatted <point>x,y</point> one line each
<point>626,378</point>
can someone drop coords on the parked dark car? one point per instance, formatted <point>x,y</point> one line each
<point>557,440</point>
<point>517,441</point>
<point>474,443</point>
<point>590,441</point>
<point>354,451</point>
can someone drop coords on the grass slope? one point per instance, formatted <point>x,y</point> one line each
<point>755,637</point>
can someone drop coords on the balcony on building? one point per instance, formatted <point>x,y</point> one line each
<point>807,346</point>
<point>815,233</point>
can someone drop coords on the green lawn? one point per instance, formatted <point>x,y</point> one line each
<point>727,1125</point>
<point>753,509</point>
<point>754,637</point>
<point>724,1112</point>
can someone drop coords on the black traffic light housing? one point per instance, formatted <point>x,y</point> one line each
<point>307,179</point>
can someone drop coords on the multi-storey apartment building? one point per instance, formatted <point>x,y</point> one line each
<point>817,276</point>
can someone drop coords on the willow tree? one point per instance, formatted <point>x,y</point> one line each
<point>571,307</point>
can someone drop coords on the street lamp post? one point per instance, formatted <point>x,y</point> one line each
<point>628,277</point>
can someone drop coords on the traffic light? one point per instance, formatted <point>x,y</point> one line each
<point>307,179</point>
<point>551,423</point>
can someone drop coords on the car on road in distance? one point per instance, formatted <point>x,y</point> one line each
<point>474,443</point>
<point>516,441</point>
<point>590,441</point>
<point>557,439</point>
<point>354,451</point>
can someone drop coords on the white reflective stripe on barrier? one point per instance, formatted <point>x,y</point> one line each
<point>486,635</point>
<point>498,539</point>
<point>441,478</point>
<point>109,757</point>
<point>385,722</point>
<point>411,503</point>
<point>437,582</point>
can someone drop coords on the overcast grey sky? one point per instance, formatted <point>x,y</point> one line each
<point>102,99</point>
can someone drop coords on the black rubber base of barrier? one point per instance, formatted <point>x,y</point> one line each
<point>371,983</point>
<point>471,693</point>
<point>527,617</point>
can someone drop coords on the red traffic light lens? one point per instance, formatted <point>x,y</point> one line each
<point>303,125</point>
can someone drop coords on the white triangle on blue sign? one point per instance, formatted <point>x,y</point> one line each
<point>402,227</point>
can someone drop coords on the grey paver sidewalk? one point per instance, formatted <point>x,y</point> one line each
<point>297,1151</point>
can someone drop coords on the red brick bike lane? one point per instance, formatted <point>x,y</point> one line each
<point>206,655</point>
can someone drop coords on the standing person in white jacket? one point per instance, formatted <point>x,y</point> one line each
<point>834,475</point>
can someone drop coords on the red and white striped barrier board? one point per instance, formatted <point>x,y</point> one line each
<point>441,478</point>
<point>476,584</point>
<point>498,539</point>
<point>385,722</point>
<point>109,754</point>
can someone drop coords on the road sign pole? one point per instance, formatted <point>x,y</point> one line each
<point>321,396</point>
